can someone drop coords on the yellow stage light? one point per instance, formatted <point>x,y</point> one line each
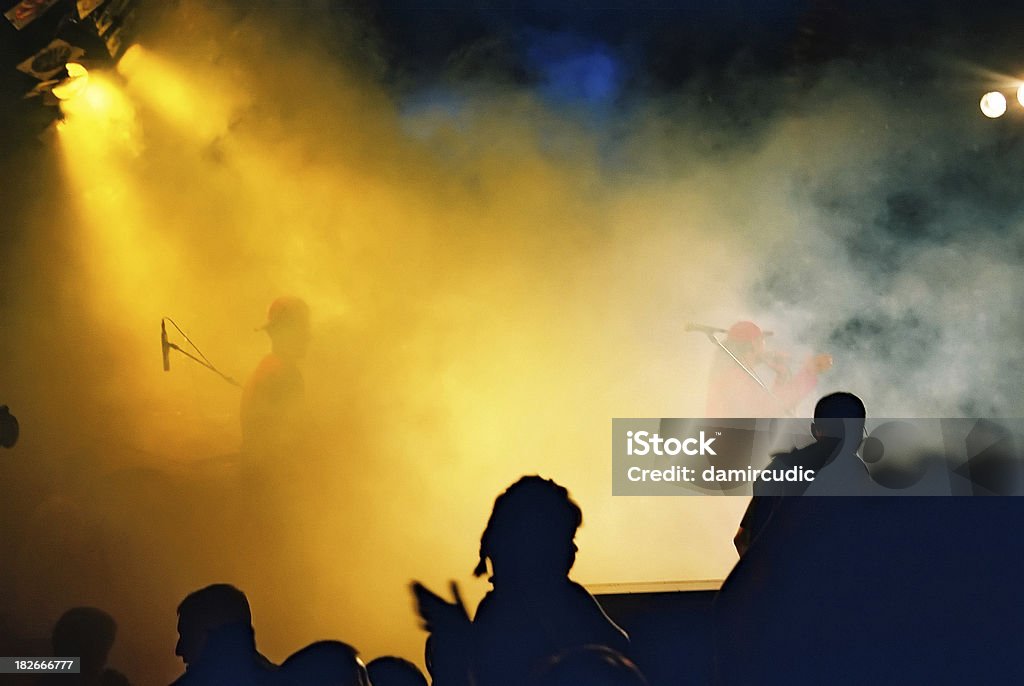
<point>93,98</point>
<point>186,100</point>
<point>100,118</point>
<point>75,84</point>
<point>1020,95</point>
<point>993,104</point>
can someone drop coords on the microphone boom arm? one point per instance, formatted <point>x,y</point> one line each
<point>206,364</point>
<point>167,346</point>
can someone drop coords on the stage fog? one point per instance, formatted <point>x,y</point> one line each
<point>493,274</point>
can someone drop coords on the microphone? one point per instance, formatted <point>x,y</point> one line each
<point>165,347</point>
<point>690,326</point>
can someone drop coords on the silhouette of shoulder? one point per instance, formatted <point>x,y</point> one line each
<point>515,631</point>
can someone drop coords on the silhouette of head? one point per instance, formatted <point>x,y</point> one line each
<point>394,671</point>
<point>590,666</point>
<point>207,610</point>
<point>85,632</point>
<point>531,530</point>
<point>288,325</point>
<point>326,663</point>
<point>838,415</point>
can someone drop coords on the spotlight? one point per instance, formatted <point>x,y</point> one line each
<point>993,104</point>
<point>74,84</point>
<point>1020,95</point>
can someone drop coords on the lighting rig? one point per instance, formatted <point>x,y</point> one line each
<point>49,47</point>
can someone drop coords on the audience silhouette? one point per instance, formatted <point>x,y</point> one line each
<point>394,671</point>
<point>325,663</point>
<point>87,633</point>
<point>838,590</point>
<point>837,430</point>
<point>590,666</point>
<point>534,611</point>
<point>856,590</point>
<point>216,640</point>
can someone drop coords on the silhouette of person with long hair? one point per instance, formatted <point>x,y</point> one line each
<point>534,611</point>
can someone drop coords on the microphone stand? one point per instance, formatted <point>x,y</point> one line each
<point>204,362</point>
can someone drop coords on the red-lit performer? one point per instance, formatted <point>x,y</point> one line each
<point>739,384</point>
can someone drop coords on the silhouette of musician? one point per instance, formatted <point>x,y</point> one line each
<point>273,400</point>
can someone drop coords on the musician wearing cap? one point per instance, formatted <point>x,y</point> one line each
<point>748,380</point>
<point>273,399</point>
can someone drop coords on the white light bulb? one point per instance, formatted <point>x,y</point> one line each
<point>993,104</point>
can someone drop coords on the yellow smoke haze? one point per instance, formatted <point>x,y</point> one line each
<point>483,302</point>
